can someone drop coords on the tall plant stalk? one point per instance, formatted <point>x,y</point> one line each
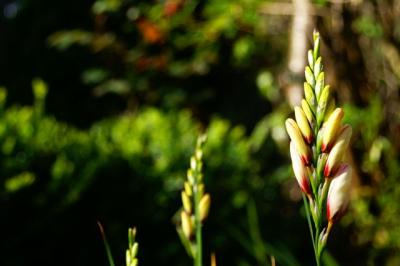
<point>317,148</point>
<point>196,205</point>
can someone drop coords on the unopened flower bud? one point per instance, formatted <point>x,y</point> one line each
<point>187,226</point>
<point>200,189</point>
<point>187,204</point>
<point>331,128</point>
<point>204,206</point>
<point>307,110</point>
<point>303,124</point>
<point>296,137</point>
<point>310,96</point>
<point>188,189</point>
<point>322,103</point>
<point>339,194</point>
<point>338,150</point>
<point>309,76</point>
<point>319,84</point>
<point>300,170</point>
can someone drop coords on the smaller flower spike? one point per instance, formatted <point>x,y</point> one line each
<point>339,194</point>
<point>300,170</point>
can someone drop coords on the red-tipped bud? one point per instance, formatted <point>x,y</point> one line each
<point>300,170</point>
<point>331,128</point>
<point>295,135</point>
<point>303,124</point>
<point>336,154</point>
<point>339,194</point>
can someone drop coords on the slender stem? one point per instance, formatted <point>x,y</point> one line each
<point>199,254</point>
<point>306,205</point>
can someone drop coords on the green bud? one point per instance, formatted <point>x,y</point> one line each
<point>204,206</point>
<point>39,88</point>
<point>319,85</point>
<point>309,76</point>
<point>190,176</point>
<point>187,204</point>
<point>310,97</point>
<point>187,225</point>
<point>188,189</point>
<point>316,46</point>
<point>307,110</point>
<point>323,100</point>
<point>329,108</point>
<point>317,67</point>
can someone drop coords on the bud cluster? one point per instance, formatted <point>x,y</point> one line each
<point>319,141</point>
<point>132,250</point>
<point>196,203</point>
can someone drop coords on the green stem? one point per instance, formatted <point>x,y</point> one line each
<point>317,255</point>
<point>199,244</point>
<point>306,205</point>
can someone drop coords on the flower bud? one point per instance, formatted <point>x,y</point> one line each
<point>331,128</point>
<point>338,150</point>
<point>319,84</point>
<point>187,204</point>
<point>310,97</point>
<point>309,76</point>
<point>316,45</point>
<point>187,226</point>
<point>339,194</point>
<point>299,170</point>
<point>204,206</point>
<point>330,107</point>
<point>322,103</point>
<point>302,122</point>
<point>296,137</point>
<point>307,110</point>
<point>317,69</point>
<point>188,189</point>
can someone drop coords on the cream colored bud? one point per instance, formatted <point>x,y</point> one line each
<point>339,194</point>
<point>134,250</point>
<point>188,189</point>
<point>322,103</point>
<point>190,176</point>
<point>310,97</point>
<point>296,137</point>
<point>319,84</point>
<point>299,170</point>
<point>307,110</point>
<point>331,129</point>
<point>193,163</point>
<point>336,154</point>
<point>204,206</point>
<point>187,225</point>
<point>303,124</point>
<point>187,204</point>
<point>330,107</point>
<point>317,68</point>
